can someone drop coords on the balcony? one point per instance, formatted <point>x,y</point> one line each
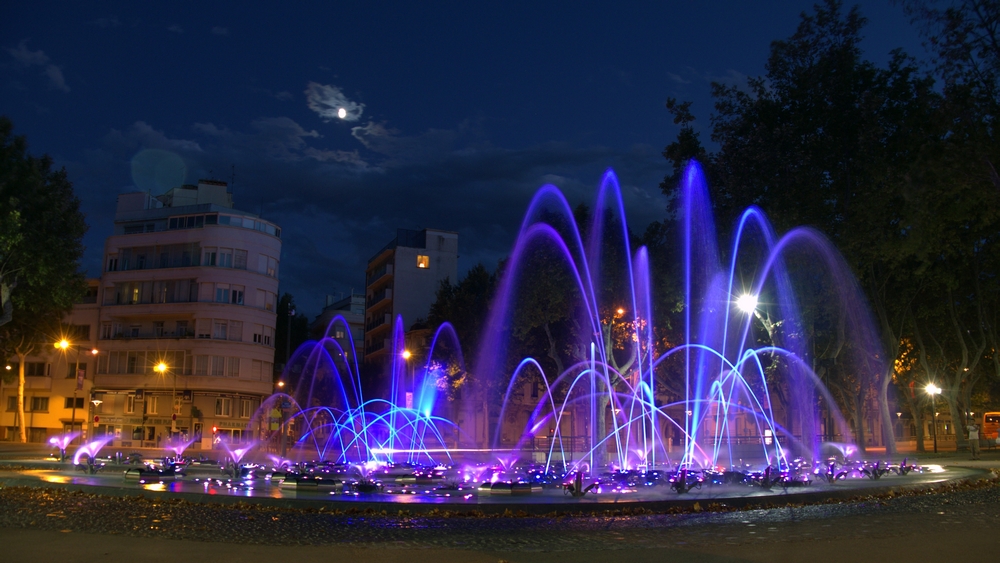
<point>38,383</point>
<point>385,270</point>
<point>151,383</point>
<point>150,335</point>
<point>379,297</point>
<point>376,345</point>
<point>377,321</point>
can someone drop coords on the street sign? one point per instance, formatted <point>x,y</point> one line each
<point>286,405</point>
<point>96,419</point>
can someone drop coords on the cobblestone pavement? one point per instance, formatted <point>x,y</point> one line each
<point>956,519</point>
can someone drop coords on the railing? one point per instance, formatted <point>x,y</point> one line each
<point>378,274</point>
<point>378,321</point>
<point>379,296</point>
<point>147,335</point>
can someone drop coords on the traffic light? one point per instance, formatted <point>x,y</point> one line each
<point>215,429</point>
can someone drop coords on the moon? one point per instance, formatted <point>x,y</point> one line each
<point>342,113</point>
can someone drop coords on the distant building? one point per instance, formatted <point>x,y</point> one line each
<point>402,279</point>
<point>191,283</point>
<point>352,308</point>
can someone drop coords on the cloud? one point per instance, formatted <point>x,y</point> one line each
<point>338,206</point>
<point>56,78</point>
<point>176,29</point>
<point>27,59</point>
<point>107,22</point>
<point>142,135</point>
<point>328,100</point>
<point>284,95</point>
<point>24,57</point>
<point>220,30</point>
<point>676,78</point>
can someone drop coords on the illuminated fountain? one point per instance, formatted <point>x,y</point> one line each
<point>85,456</point>
<point>755,412</point>
<point>178,446</point>
<point>61,442</point>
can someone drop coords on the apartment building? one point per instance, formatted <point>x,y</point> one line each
<point>184,320</point>
<point>402,279</point>
<point>352,309</point>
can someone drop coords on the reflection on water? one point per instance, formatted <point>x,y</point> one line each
<point>265,488</point>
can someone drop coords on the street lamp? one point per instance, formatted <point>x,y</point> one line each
<point>161,368</point>
<point>747,303</point>
<point>933,391</point>
<point>64,345</point>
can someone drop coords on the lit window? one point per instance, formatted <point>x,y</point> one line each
<point>423,261</point>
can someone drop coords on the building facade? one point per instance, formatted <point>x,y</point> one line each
<point>352,309</point>
<point>183,321</point>
<point>402,279</point>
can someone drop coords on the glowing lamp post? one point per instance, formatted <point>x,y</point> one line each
<point>933,391</point>
<point>63,345</point>
<point>161,368</point>
<point>747,303</point>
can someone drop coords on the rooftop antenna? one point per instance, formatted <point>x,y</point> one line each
<point>232,179</point>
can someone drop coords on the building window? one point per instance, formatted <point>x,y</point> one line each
<point>219,329</point>
<point>218,365</point>
<point>240,259</point>
<point>236,331</point>
<point>423,262</point>
<point>222,293</point>
<point>152,405</point>
<point>209,257</point>
<point>182,329</point>
<point>129,404</point>
<point>11,404</point>
<point>33,369</point>
<point>158,329</point>
<point>201,365</point>
<point>113,264</point>
<point>39,404</point>
<point>237,295</point>
<point>246,408</point>
<point>69,404</point>
<point>234,366</point>
<point>106,331</point>
<point>223,406</point>
<point>226,257</point>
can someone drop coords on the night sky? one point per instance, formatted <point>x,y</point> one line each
<point>457,112</point>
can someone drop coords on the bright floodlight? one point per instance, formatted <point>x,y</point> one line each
<point>342,113</point>
<point>62,344</point>
<point>161,367</point>
<point>932,389</point>
<point>747,303</point>
<point>406,354</point>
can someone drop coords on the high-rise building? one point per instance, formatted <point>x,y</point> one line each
<point>402,279</point>
<point>184,321</point>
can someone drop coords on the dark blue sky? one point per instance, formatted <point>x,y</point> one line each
<point>459,111</point>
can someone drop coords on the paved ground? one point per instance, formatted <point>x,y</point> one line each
<point>50,525</point>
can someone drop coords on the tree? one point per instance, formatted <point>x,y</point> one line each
<point>287,341</point>
<point>829,140</point>
<point>41,241</point>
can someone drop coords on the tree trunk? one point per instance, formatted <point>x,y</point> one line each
<point>859,422</point>
<point>888,434</point>
<point>20,398</point>
<point>601,426</point>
